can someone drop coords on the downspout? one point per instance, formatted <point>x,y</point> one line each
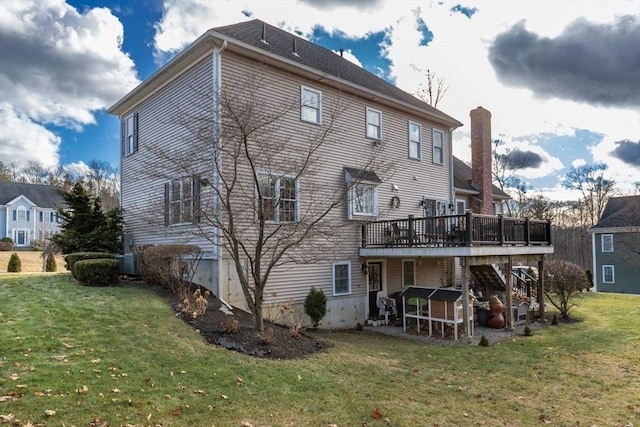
<point>217,86</point>
<point>594,268</point>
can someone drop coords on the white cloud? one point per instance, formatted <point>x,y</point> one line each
<point>22,140</point>
<point>77,169</point>
<point>59,66</point>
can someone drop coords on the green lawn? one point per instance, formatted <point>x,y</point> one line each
<point>119,355</point>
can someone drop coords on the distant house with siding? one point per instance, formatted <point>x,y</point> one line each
<point>615,242</point>
<point>28,212</point>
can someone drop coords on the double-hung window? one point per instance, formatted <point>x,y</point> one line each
<point>607,243</point>
<point>182,200</point>
<point>374,123</point>
<point>310,105</point>
<point>415,141</point>
<point>277,198</point>
<point>408,273</point>
<point>21,214</point>
<point>342,278</point>
<point>363,193</point>
<point>365,200</point>
<point>438,147</point>
<point>608,274</point>
<point>130,134</point>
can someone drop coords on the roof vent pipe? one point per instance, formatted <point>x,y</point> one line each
<point>341,52</point>
<point>295,51</point>
<point>264,34</point>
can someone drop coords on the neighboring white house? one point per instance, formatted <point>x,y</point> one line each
<point>397,229</point>
<point>28,212</point>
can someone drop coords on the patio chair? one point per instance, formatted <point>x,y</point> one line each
<point>386,306</point>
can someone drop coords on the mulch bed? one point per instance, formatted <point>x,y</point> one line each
<point>213,326</point>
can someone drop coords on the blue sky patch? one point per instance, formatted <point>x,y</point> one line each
<point>427,35</point>
<point>367,49</point>
<point>466,11</point>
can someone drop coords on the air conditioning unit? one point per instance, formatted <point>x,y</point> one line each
<point>127,264</point>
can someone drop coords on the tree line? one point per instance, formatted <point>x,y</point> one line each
<point>100,178</point>
<point>570,218</point>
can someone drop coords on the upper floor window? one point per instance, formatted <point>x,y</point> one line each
<point>310,105</point>
<point>364,200</point>
<point>130,134</point>
<point>434,207</point>
<point>608,275</point>
<point>182,200</point>
<point>277,199</point>
<point>415,141</point>
<point>374,123</point>
<point>21,214</point>
<point>342,278</point>
<point>408,272</point>
<point>363,192</point>
<point>607,243</point>
<point>47,217</point>
<point>438,147</point>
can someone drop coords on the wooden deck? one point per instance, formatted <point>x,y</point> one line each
<point>456,230</point>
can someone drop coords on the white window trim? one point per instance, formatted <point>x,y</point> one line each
<point>407,261</point>
<point>418,155</point>
<point>27,238</point>
<point>464,204</point>
<point>130,138</point>
<point>333,275</point>
<point>276,213</point>
<point>304,89</point>
<point>352,199</point>
<point>613,274</point>
<point>366,120</point>
<point>434,159</point>
<point>171,201</point>
<point>23,211</point>
<point>602,243</point>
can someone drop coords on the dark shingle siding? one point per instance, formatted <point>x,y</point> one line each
<point>43,196</point>
<point>281,43</point>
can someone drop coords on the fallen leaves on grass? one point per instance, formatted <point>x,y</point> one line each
<point>240,382</point>
<point>83,390</point>
<point>376,414</point>
<point>6,418</point>
<point>50,412</point>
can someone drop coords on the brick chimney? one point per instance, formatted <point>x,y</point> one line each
<point>481,160</point>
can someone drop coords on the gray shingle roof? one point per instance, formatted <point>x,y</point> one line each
<point>620,212</point>
<point>282,43</point>
<point>462,179</point>
<point>44,196</point>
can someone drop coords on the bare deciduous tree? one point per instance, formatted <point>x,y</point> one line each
<point>564,283</point>
<point>434,89</point>
<point>269,200</point>
<point>594,188</point>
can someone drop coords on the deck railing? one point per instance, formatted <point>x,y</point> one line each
<point>468,229</point>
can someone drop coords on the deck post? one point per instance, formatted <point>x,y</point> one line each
<point>410,230</point>
<point>465,300</point>
<point>501,229</point>
<point>364,236</point>
<point>469,227</point>
<point>509,295</point>
<point>527,231</point>
<point>541,286</point>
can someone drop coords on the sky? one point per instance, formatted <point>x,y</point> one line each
<point>561,78</point>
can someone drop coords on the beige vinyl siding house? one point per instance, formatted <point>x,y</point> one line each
<point>311,91</point>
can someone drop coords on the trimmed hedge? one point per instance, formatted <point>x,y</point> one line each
<point>6,244</point>
<point>50,264</point>
<point>73,258</point>
<point>15,265</point>
<point>97,272</point>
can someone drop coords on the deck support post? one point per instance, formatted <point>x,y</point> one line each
<point>509,296</point>
<point>541,286</point>
<point>465,301</point>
